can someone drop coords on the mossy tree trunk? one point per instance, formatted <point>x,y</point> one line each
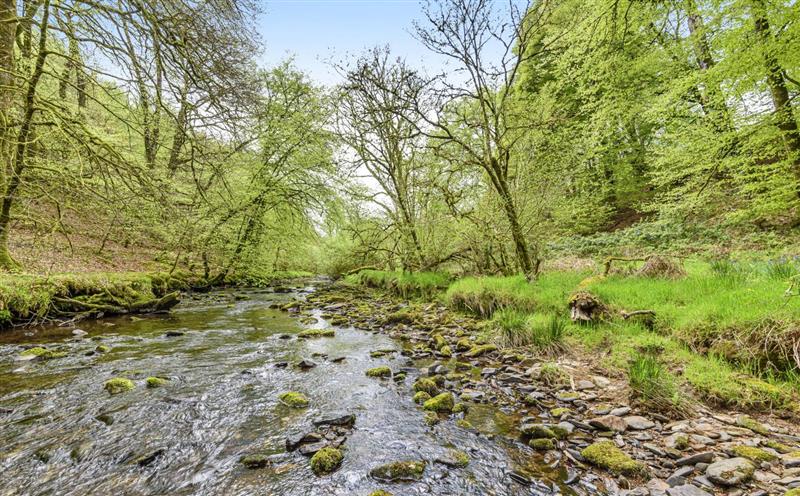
<point>8,27</point>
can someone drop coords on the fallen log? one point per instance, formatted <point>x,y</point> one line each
<point>70,306</point>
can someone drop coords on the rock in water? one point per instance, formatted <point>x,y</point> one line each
<point>405,471</point>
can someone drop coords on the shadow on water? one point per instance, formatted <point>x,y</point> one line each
<point>61,433</point>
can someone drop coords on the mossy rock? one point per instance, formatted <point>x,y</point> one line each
<point>404,471</point>
<point>317,333</point>
<point>380,492</point>
<point>559,412</point>
<point>682,442</point>
<point>445,351</point>
<point>156,382</point>
<point>482,349</point>
<point>431,418</point>
<point>460,408</point>
<point>379,372</point>
<point>426,385</point>
<point>457,458</point>
<point>753,425</point>
<point>792,492</point>
<point>542,444</point>
<point>42,353</point>
<point>757,455</point>
<point>463,344</point>
<point>439,341</point>
<point>464,424</point>
<point>293,399</point>
<point>779,447</point>
<point>538,431</point>
<point>326,461</point>
<point>421,397</point>
<point>442,403</point>
<point>254,462</point>
<point>118,385</point>
<point>103,348</point>
<point>605,454</point>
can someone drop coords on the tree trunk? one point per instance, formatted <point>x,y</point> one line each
<point>17,159</point>
<point>780,94</point>
<point>520,244</point>
<point>713,101</point>
<point>8,28</point>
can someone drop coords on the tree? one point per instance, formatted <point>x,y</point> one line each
<point>381,130</point>
<point>474,105</point>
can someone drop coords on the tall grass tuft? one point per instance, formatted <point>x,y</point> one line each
<point>653,386</point>
<point>782,269</point>
<point>544,333</point>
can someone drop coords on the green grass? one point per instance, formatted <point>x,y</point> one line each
<point>518,329</point>
<point>485,295</point>
<point>726,329</point>
<point>654,387</point>
<point>741,314</point>
<point>407,285</point>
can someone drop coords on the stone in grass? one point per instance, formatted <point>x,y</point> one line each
<point>254,462</point>
<point>118,385</point>
<point>542,444</point>
<point>421,397</point>
<point>479,350</point>
<point>730,472</point>
<point>442,403</point>
<point>606,454</point>
<point>404,471</point>
<point>326,461</point>
<point>293,399</point>
<point>426,385</point>
<point>757,455</point>
<point>379,372</point>
<point>156,382</point>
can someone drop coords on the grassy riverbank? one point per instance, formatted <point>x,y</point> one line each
<point>726,329</point>
<point>32,298</point>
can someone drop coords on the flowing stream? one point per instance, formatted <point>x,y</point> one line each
<point>61,433</point>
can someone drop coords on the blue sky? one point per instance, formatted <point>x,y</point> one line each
<point>314,31</point>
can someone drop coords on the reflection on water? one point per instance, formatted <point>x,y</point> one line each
<point>61,433</point>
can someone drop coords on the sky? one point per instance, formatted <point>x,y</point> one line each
<point>316,31</point>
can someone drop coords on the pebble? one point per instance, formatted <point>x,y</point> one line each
<point>730,472</point>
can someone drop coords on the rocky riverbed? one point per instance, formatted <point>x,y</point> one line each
<point>576,418</point>
<point>327,389</point>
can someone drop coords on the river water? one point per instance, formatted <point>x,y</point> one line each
<point>61,433</point>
